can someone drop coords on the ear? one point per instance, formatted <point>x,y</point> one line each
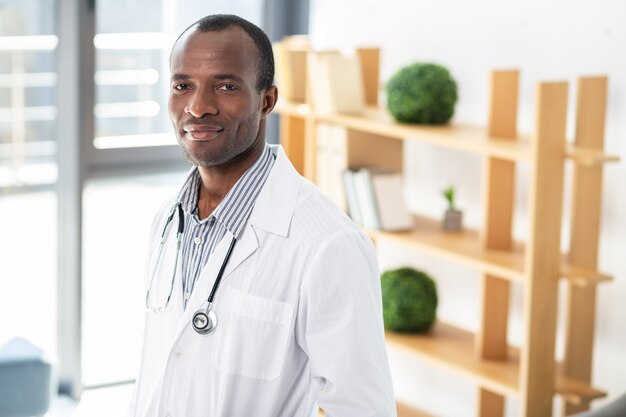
<point>269,96</point>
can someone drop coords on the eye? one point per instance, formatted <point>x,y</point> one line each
<point>180,86</point>
<point>228,87</point>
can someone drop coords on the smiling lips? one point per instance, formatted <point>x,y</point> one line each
<point>202,132</point>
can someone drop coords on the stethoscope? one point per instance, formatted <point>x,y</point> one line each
<point>204,320</point>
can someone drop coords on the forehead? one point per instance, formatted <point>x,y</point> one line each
<point>229,49</point>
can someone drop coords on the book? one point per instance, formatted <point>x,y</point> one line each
<point>375,199</point>
<point>352,201</point>
<point>366,199</point>
<point>388,190</point>
<point>338,82</point>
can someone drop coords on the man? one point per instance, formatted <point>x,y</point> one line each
<point>294,318</point>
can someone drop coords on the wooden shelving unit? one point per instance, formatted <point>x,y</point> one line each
<point>529,372</point>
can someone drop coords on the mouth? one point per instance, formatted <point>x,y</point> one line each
<point>202,132</point>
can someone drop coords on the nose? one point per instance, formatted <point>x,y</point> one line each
<point>202,103</point>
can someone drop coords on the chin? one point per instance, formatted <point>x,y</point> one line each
<point>207,160</point>
<point>201,156</point>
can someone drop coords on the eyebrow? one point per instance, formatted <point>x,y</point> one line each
<point>217,77</point>
<point>180,77</point>
<point>229,77</point>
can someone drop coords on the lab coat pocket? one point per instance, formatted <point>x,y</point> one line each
<point>252,335</point>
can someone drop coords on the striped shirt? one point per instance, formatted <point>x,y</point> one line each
<point>200,237</point>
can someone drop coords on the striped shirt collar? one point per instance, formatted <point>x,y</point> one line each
<point>236,206</point>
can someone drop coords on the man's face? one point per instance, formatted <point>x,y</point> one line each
<point>215,108</point>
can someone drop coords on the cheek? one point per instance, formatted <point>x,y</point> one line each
<point>240,116</point>
<point>250,123</point>
<point>173,108</point>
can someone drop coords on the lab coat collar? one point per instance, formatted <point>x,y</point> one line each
<point>277,200</point>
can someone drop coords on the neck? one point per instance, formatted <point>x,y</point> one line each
<point>217,181</point>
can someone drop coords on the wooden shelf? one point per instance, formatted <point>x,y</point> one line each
<point>377,120</point>
<point>460,137</point>
<point>581,277</point>
<point>589,157</point>
<point>466,248</point>
<point>452,348</point>
<point>402,409</point>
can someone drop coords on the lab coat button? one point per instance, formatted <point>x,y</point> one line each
<point>177,355</point>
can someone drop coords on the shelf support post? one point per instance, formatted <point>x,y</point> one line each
<point>585,227</point>
<point>543,254</point>
<point>498,195</point>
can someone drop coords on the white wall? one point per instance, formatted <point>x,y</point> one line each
<point>546,40</point>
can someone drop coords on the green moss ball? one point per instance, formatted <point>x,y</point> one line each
<point>409,300</point>
<point>422,93</point>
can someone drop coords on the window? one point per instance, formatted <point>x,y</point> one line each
<point>28,111</point>
<point>27,93</point>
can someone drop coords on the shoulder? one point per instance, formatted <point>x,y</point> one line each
<point>317,220</point>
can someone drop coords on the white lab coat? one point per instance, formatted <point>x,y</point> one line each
<point>299,318</point>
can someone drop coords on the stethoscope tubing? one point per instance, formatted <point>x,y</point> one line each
<point>204,321</point>
<point>221,271</point>
<point>179,233</point>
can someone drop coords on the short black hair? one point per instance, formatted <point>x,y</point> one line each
<point>265,59</point>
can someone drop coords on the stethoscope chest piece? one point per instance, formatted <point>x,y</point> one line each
<point>204,321</point>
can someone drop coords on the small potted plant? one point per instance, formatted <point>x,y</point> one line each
<point>453,218</point>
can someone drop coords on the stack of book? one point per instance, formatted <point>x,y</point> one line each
<point>338,82</point>
<point>376,199</point>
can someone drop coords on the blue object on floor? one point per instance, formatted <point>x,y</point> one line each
<point>25,380</point>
